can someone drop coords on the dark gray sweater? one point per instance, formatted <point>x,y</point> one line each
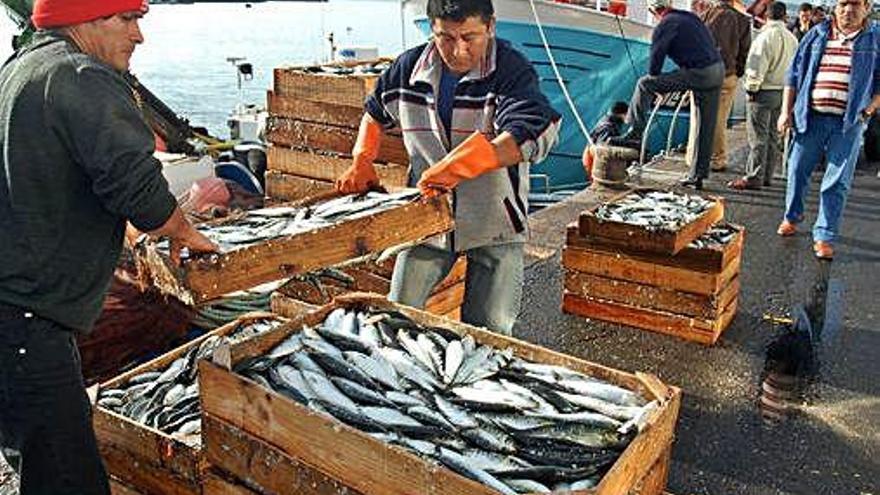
<point>77,163</point>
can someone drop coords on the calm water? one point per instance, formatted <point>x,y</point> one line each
<point>184,62</point>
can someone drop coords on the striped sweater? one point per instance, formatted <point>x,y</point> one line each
<point>831,90</point>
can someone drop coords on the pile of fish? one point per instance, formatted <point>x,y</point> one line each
<point>513,425</point>
<point>360,69</point>
<point>655,210</point>
<point>168,399</point>
<point>257,226</point>
<point>716,237</point>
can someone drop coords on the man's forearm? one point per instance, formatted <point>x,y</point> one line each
<point>176,227</point>
<point>788,96</point>
<point>507,149</point>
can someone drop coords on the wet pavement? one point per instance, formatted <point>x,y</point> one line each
<point>829,441</point>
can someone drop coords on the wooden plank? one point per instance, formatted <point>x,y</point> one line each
<point>446,300</point>
<point>282,131</point>
<point>119,488</point>
<point>455,314</point>
<point>329,166</point>
<point>710,260</point>
<point>649,296</point>
<point>314,111</point>
<point>289,307</point>
<point>261,465</point>
<point>698,330</point>
<point>142,456</point>
<point>287,187</point>
<point>622,267</point>
<point>638,238</point>
<point>372,467</point>
<point>202,279</point>
<point>654,483</point>
<point>217,483</point>
<point>348,90</point>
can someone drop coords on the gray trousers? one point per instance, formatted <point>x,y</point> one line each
<point>493,284</point>
<point>765,143</point>
<point>705,83</point>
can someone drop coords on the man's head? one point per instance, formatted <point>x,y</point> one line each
<point>818,15</point>
<point>105,29</point>
<point>851,15</point>
<point>659,7</point>
<point>776,11</point>
<point>462,31</point>
<point>620,108</point>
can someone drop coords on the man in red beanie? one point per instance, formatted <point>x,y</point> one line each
<point>77,164</point>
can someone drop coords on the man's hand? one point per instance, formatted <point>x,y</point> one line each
<point>784,123</point>
<point>473,157</point>
<point>751,96</point>
<point>182,234</point>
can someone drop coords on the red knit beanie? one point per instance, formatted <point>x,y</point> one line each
<point>59,13</point>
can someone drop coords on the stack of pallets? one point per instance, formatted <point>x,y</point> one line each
<point>669,282</point>
<point>314,115</point>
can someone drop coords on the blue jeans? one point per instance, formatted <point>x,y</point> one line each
<point>493,286</point>
<point>824,135</point>
<point>44,411</point>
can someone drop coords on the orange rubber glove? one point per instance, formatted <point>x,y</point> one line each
<point>361,176</point>
<point>475,156</point>
<point>587,159</point>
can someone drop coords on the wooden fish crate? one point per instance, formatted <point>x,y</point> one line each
<point>327,167</point>
<point>634,237</point>
<point>339,89</point>
<point>692,295</point>
<point>284,131</point>
<point>287,187</point>
<point>332,113</point>
<point>445,300</point>
<point>205,278</point>
<point>146,459</point>
<point>301,439</point>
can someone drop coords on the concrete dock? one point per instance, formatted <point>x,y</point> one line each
<point>830,444</point>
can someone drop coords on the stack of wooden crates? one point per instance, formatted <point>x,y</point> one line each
<point>314,115</point>
<point>653,280</point>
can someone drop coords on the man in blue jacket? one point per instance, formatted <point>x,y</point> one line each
<point>684,38</point>
<point>473,120</point>
<point>832,89</point>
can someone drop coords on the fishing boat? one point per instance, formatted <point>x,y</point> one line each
<point>598,58</point>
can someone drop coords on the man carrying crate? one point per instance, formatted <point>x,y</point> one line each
<point>473,120</point>
<point>77,164</point>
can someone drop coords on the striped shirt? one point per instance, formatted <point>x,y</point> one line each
<point>831,89</point>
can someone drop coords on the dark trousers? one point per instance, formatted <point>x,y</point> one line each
<point>44,411</point>
<point>705,83</point>
<point>765,143</point>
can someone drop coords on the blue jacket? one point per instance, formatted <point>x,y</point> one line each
<point>685,39</point>
<point>500,95</point>
<point>864,80</point>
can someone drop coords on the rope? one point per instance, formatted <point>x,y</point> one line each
<point>568,99</point>
<point>626,45</point>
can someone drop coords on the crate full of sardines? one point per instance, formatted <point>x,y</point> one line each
<point>148,420</point>
<point>268,244</point>
<point>664,222</point>
<point>389,400</point>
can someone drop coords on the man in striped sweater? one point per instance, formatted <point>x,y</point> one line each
<point>832,89</point>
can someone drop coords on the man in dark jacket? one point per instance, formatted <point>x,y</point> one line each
<point>684,38</point>
<point>733,37</point>
<point>77,165</point>
<point>803,22</point>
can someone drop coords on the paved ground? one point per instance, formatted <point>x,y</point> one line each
<point>831,445</point>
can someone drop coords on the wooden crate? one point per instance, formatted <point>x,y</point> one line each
<point>205,278</point>
<point>289,132</point>
<point>637,238</point>
<point>288,187</point>
<point>347,90</point>
<point>366,465</point>
<point>446,297</point>
<point>143,458</point>
<point>703,331</point>
<point>119,488</point>
<point>329,166</point>
<point>331,113</point>
<point>710,260</point>
<point>217,483</point>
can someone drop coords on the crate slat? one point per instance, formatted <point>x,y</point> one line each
<point>329,166</point>
<point>623,267</point>
<point>694,329</point>
<point>287,132</point>
<point>709,260</point>
<point>348,90</point>
<point>314,111</point>
<point>288,187</point>
<point>201,280</point>
<point>652,297</point>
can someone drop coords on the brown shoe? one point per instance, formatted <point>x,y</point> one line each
<point>787,229</point>
<point>823,250</point>
<point>742,185</point>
